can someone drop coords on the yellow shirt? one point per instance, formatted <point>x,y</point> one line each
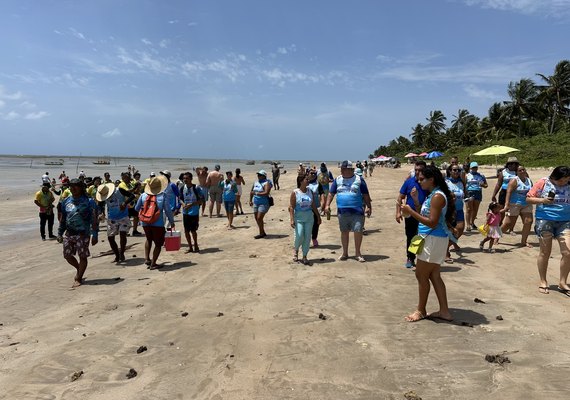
<point>45,200</point>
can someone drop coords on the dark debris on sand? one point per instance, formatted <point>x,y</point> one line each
<point>499,317</point>
<point>141,349</point>
<point>220,314</point>
<point>497,359</point>
<point>184,314</point>
<point>411,395</point>
<point>322,316</point>
<point>477,300</point>
<point>132,373</point>
<point>76,375</point>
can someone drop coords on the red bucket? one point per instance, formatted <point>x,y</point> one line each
<point>172,240</point>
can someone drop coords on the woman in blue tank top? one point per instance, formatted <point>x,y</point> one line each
<point>552,198</point>
<point>456,186</point>
<point>516,204</point>
<point>503,180</point>
<point>302,209</point>
<point>437,213</point>
<point>259,200</point>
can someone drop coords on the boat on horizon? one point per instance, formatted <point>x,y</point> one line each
<point>58,161</point>
<point>250,162</point>
<point>103,161</point>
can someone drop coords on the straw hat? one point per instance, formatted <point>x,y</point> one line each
<point>156,185</point>
<point>104,191</point>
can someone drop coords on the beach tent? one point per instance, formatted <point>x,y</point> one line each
<point>410,155</point>
<point>423,154</point>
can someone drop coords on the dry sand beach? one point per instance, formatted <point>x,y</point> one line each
<point>241,320</point>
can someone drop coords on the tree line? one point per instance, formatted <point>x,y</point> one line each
<point>533,108</point>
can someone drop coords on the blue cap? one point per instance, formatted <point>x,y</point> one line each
<point>358,171</point>
<point>473,165</point>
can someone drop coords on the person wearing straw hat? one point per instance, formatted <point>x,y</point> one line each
<point>155,231</point>
<point>118,221</point>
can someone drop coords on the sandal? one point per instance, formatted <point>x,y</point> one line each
<point>360,259</point>
<point>295,257</point>
<point>343,258</point>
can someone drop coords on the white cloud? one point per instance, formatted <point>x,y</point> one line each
<point>37,115</point>
<point>146,41</point>
<point>551,8</point>
<point>112,133</point>
<point>4,95</point>
<point>144,61</point>
<point>57,32</point>
<point>192,23</point>
<point>478,93</point>
<point>494,71</point>
<point>282,50</point>
<point>77,34</point>
<point>164,43</point>
<point>174,21</point>
<point>2,103</point>
<point>27,105</point>
<point>12,115</point>
<point>230,67</point>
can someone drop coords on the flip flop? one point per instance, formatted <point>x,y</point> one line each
<point>565,292</point>
<point>449,260</point>
<point>415,316</point>
<point>343,258</point>
<point>543,289</point>
<point>360,259</point>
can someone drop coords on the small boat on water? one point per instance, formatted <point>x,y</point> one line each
<point>58,161</point>
<point>103,161</point>
<point>250,162</point>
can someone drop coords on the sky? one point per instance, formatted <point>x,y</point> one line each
<point>258,79</point>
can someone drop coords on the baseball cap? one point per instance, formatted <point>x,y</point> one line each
<point>166,172</point>
<point>262,172</point>
<point>473,165</point>
<point>358,171</point>
<point>346,164</point>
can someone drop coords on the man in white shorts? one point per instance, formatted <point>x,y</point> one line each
<point>118,221</point>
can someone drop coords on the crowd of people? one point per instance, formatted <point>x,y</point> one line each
<point>432,205</point>
<point>437,207</point>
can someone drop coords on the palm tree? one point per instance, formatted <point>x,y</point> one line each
<point>434,129</point>
<point>555,95</point>
<point>521,107</point>
<point>494,126</point>
<point>418,136</point>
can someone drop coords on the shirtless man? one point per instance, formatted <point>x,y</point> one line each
<point>202,174</point>
<point>213,182</point>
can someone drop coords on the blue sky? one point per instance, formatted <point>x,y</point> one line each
<point>259,79</point>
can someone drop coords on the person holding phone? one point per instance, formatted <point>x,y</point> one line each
<point>552,198</point>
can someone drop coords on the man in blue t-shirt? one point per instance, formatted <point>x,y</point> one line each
<point>191,197</point>
<point>414,195</point>
<point>353,201</point>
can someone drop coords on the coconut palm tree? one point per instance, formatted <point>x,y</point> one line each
<point>555,95</point>
<point>434,129</point>
<point>522,105</point>
<point>418,136</point>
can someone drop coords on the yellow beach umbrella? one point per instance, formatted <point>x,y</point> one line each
<point>495,150</point>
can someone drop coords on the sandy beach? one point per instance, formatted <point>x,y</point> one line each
<point>241,320</point>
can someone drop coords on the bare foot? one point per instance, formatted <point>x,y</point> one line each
<point>530,246</point>
<point>439,315</point>
<point>415,316</point>
<point>76,283</point>
<point>543,289</point>
<point>344,257</point>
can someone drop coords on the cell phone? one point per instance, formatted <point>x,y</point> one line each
<point>551,195</point>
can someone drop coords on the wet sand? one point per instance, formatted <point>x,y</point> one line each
<point>252,328</point>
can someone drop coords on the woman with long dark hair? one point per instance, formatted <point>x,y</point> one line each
<point>437,213</point>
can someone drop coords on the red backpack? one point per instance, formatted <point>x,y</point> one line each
<point>149,213</point>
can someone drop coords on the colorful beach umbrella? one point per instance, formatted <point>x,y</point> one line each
<point>434,154</point>
<point>410,155</point>
<point>423,154</point>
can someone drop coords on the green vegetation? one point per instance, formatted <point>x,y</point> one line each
<point>535,119</point>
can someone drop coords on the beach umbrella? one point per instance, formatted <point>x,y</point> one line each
<point>495,150</point>
<point>434,154</point>
<point>410,155</point>
<point>423,154</point>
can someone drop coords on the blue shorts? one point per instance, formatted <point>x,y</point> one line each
<point>459,216</point>
<point>262,208</point>
<point>349,222</point>
<point>551,228</point>
<point>475,194</point>
<point>229,205</point>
